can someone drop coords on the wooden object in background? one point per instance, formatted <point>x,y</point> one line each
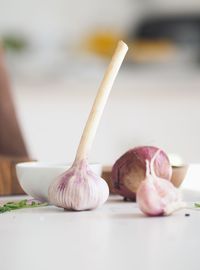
<point>178,175</point>
<point>106,175</point>
<point>9,184</point>
<point>12,146</point>
<point>11,140</point>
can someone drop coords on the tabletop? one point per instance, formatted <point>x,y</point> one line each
<point>116,236</point>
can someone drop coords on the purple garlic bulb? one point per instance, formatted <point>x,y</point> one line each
<point>79,188</point>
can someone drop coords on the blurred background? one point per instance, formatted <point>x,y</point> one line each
<point>57,52</point>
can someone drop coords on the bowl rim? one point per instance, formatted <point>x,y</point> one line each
<point>44,164</point>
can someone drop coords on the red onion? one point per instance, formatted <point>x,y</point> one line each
<point>130,169</point>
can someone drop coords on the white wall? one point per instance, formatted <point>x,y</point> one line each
<point>160,108</point>
<point>52,21</point>
<point>153,108</point>
<point>63,20</point>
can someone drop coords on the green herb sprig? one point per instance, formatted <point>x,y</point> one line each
<point>10,206</point>
<point>197,204</point>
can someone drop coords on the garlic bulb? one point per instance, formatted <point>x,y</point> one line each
<point>157,196</point>
<point>79,188</point>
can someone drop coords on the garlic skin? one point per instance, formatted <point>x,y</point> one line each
<point>79,188</point>
<point>157,196</point>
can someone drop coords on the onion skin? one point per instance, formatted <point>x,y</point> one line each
<point>130,169</point>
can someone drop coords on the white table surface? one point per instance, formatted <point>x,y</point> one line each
<point>115,236</point>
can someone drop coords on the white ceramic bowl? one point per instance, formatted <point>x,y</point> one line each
<point>36,177</point>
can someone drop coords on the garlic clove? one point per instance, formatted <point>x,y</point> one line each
<point>148,199</point>
<point>79,189</point>
<point>154,196</point>
<point>157,196</point>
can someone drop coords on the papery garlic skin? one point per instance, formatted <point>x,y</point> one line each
<point>79,189</point>
<point>157,196</point>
